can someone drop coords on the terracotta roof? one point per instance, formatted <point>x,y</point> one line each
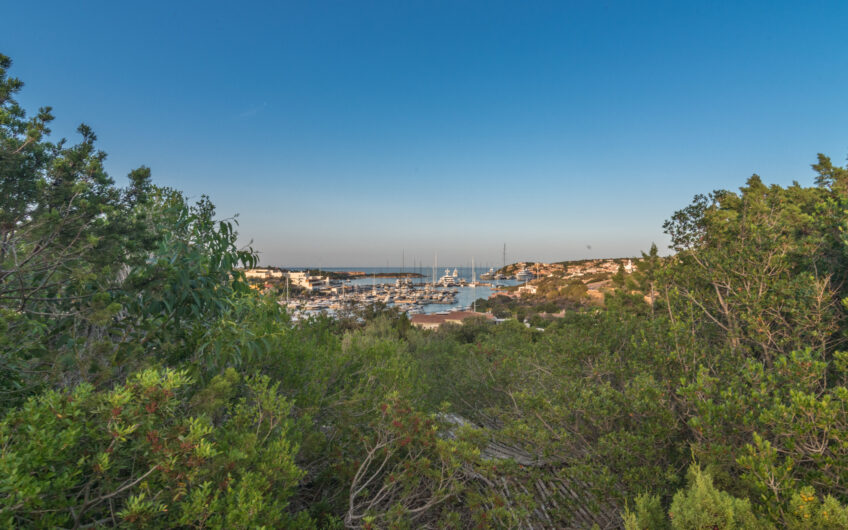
<point>454,316</point>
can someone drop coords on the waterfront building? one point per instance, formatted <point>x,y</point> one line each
<point>310,283</point>
<point>263,273</point>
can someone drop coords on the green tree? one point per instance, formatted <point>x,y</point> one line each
<point>648,269</point>
<point>619,279</point>
<point>758,267</point>
<point>91,273</point>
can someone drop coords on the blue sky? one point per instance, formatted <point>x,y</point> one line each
<point>345,133</point>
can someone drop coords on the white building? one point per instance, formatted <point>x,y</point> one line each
<point>263,273</point>
<point>310,283</point>
<point>528,289</point>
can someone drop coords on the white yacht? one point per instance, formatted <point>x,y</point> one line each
<point>523,275</point>
<point>448,279</point>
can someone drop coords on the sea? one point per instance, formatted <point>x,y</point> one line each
<point>464,299</point>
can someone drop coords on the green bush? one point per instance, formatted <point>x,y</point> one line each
<point>137,455</point>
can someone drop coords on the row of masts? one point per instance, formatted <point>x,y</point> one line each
<point>435,267</point>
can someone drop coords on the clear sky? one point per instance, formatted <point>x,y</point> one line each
<point>346,133</point>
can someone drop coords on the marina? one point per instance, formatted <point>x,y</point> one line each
<point>456,289</point>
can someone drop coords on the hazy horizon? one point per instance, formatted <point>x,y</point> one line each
<point>427,267</point>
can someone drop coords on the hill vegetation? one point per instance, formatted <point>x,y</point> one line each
<point>144,384</point>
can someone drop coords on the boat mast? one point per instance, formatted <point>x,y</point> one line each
<point>435,261</point>
<point>473,285</point>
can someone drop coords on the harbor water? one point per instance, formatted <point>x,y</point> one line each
<point>465,295</point>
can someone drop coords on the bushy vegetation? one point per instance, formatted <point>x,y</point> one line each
<point>145,384</point>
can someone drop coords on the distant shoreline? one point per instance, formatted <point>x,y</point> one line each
<point>361,274</point>
<point>354,274</point>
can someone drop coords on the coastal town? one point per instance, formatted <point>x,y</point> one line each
<point>449,298</point>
